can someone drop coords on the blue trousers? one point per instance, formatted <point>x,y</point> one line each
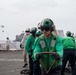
<point>68,55</point>
<point>36,68</point>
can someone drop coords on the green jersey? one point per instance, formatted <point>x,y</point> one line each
<point>29,43</point>
<point>68,42</point>
<point>51,44</point>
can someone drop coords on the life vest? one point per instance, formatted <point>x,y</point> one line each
<point>48,59</point>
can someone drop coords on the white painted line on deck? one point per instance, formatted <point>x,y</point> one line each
<point>11,59</point>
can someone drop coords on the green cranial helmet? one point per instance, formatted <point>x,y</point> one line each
<point>38,33</point>
<point>68,33</point>
<point>47,22</point>
<point>33,30</point>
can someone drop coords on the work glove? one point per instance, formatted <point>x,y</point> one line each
<point>56,55</point>
<point>38,56</point>
<point>31,50</point>
<point>20,45</point>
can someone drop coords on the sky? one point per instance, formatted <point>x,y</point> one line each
<point>17,15</point>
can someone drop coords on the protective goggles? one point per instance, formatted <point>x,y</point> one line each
<point>45,28</point>
<point>27,31</point>
<point>37,35</point>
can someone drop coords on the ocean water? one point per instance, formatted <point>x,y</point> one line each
<point>13,45</point>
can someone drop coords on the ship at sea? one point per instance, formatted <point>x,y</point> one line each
<point>14,44</point>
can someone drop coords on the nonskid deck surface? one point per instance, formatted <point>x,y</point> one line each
<point>11,63</point>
